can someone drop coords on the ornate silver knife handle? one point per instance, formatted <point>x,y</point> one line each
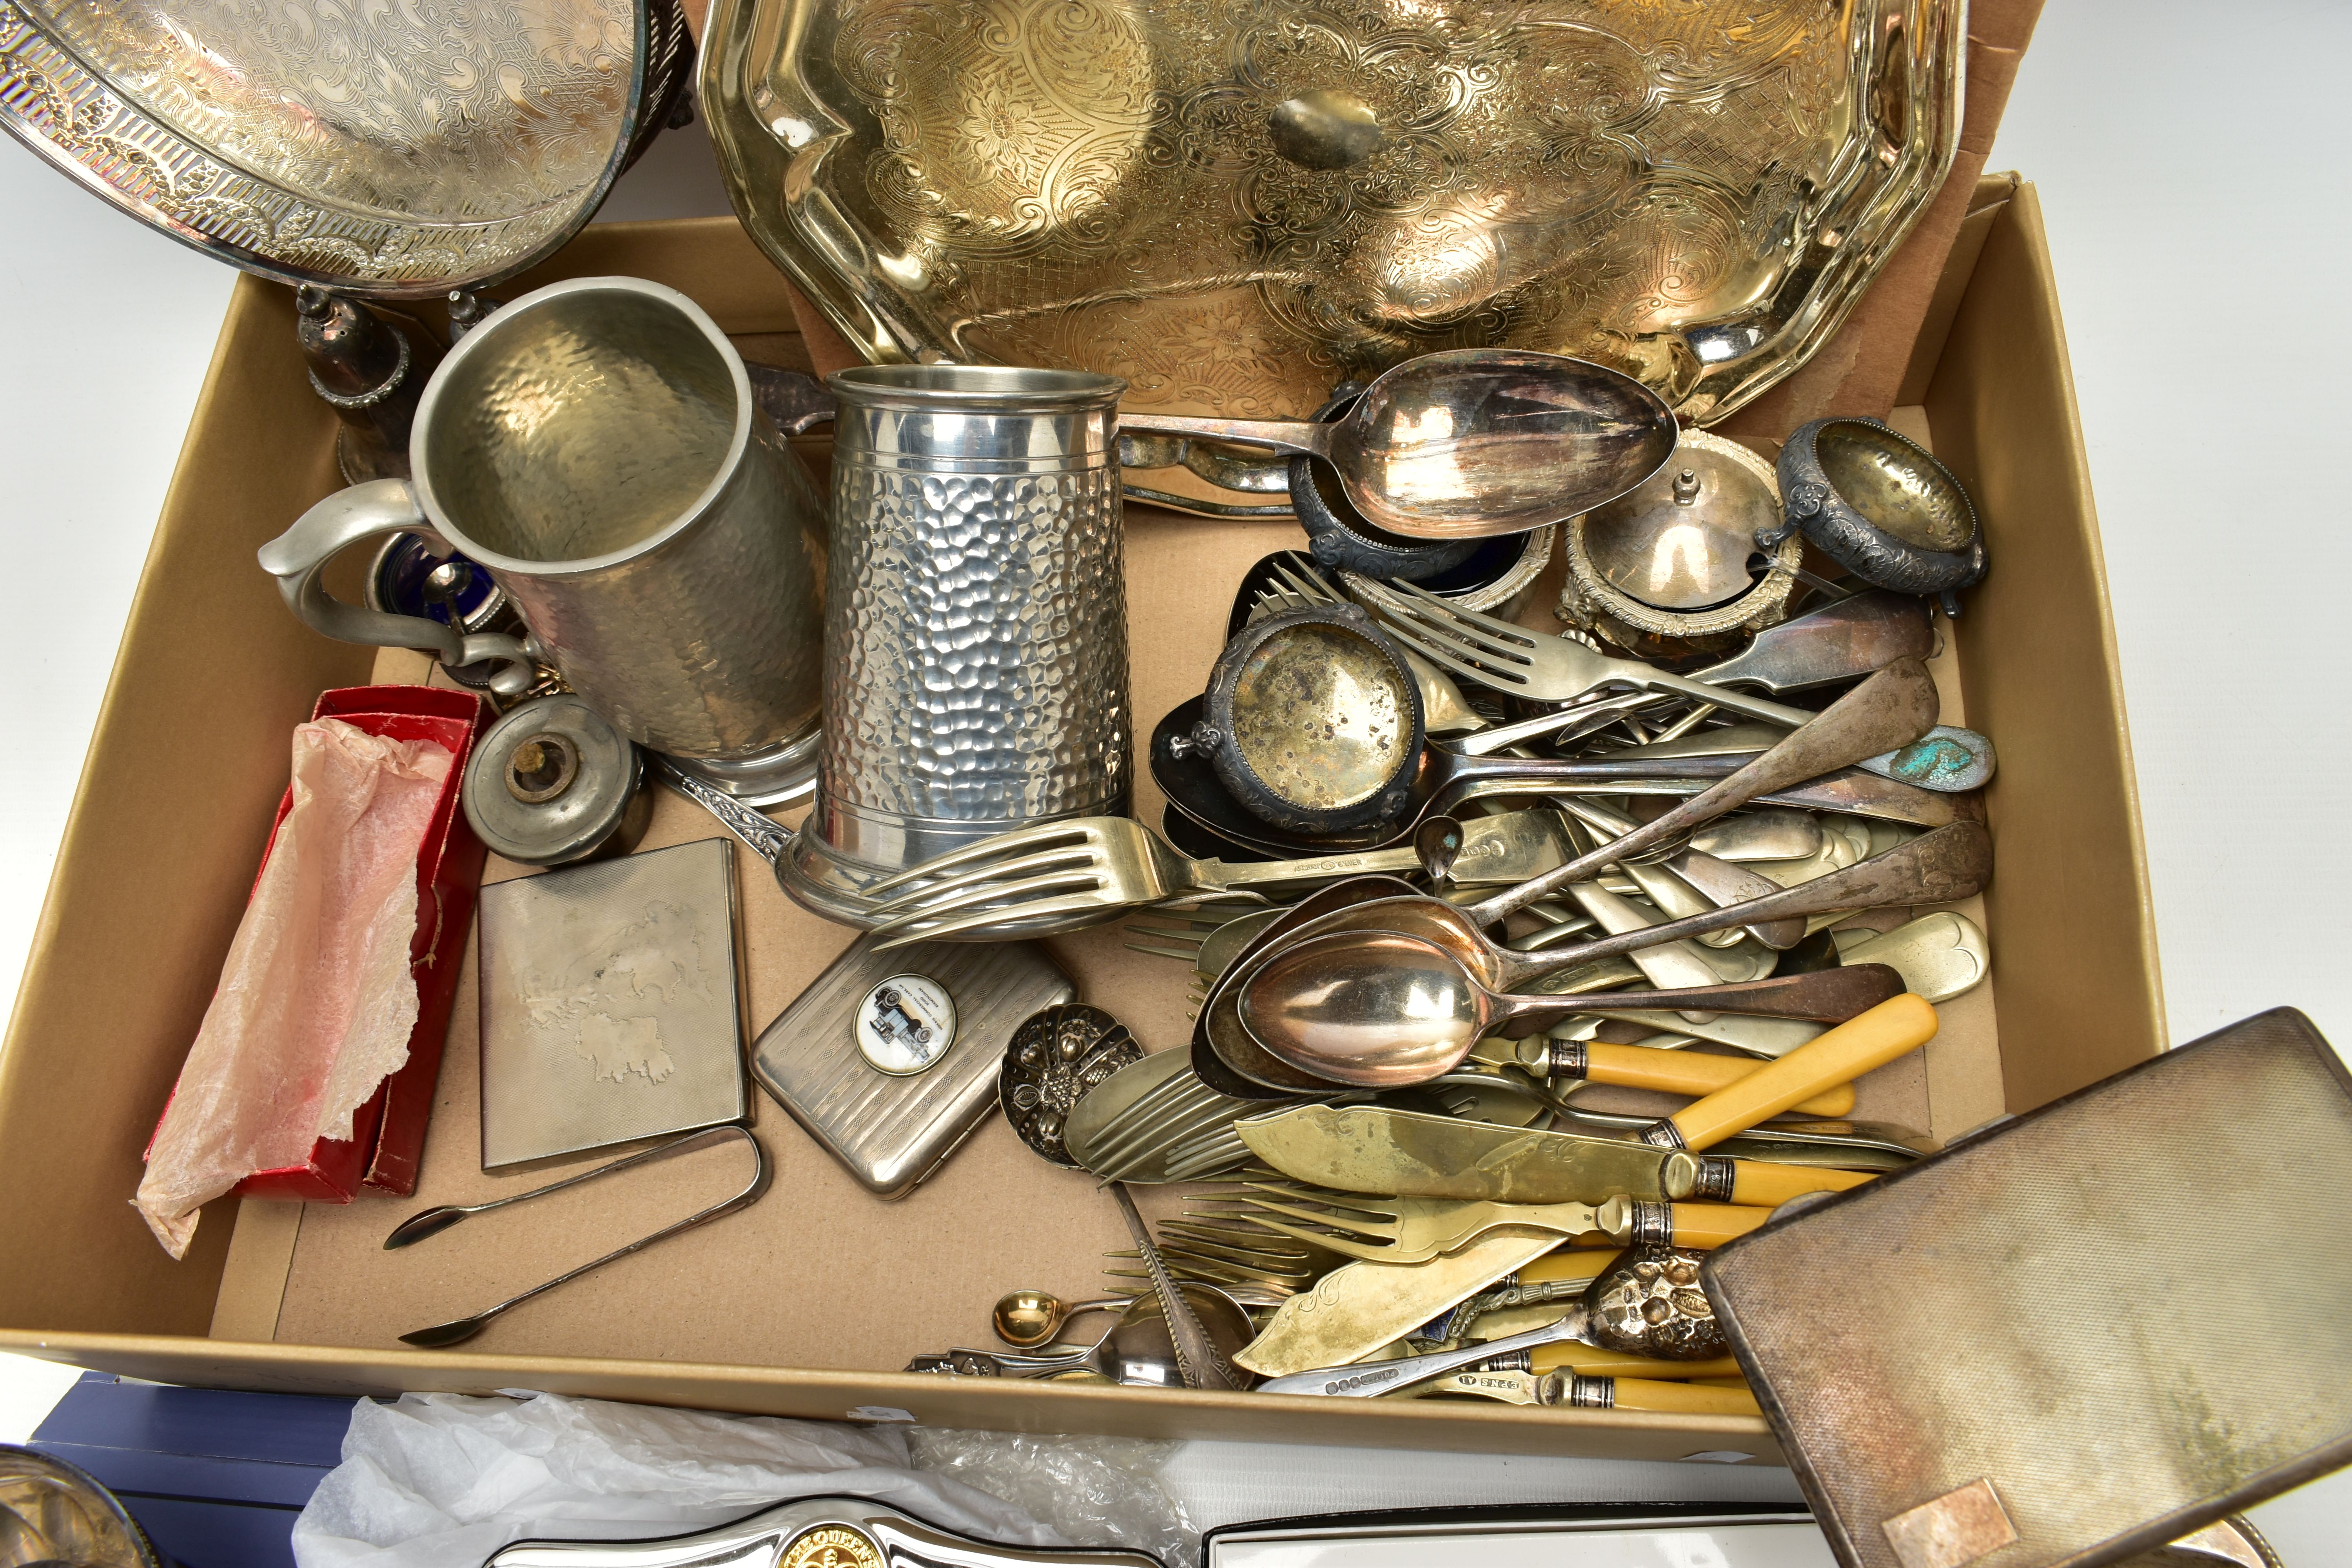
<point>767,839</point>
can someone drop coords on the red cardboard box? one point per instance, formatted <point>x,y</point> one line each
<point>388,1132</point>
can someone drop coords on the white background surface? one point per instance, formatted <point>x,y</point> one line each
<point>2191,178</point>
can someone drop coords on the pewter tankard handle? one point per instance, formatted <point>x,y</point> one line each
<point>297,557</point>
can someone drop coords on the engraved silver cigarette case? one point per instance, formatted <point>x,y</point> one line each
<point>609,1009</point>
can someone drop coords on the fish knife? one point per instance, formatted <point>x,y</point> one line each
<point>1406,1153</point>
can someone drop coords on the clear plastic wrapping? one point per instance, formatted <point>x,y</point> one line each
<point>437,1480</point>
<point>1095,1491</point>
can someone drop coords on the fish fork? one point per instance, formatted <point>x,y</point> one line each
<point>1506,658</point>
<point>1414,1230</point>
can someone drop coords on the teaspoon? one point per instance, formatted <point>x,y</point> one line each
<point>1030,1320</point>
<point>1139,1349</point>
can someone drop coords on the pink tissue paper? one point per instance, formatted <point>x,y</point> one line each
<point>316,1002</point>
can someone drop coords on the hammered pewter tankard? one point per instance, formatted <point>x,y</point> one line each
<point>975,633</point>
<point>595,446</point>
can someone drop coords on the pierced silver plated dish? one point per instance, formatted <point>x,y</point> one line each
<point>393,151</point>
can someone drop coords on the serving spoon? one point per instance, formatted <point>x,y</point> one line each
<point>1467,443</point>
<point>1383,1010</point>
<point>1219,1037</point>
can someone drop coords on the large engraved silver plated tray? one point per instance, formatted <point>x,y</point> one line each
<point>386,147</point>
<point>1233,204</point>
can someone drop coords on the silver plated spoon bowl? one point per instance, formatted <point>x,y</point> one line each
<point>1467,443</point>
<point>1383,1010</point>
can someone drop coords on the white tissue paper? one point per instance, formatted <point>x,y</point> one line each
<point>316,1001</point>
<point>442,1480</point>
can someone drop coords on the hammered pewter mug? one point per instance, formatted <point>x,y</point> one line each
<point>975,634</point>
<point>595,446</point>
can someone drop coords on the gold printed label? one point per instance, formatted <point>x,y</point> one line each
<point>831,1546</point>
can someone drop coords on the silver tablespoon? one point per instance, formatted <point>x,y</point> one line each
<point>1383,1010</point>
<point>1467,443</point>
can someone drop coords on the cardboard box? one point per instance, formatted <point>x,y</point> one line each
<point>802,1305</point>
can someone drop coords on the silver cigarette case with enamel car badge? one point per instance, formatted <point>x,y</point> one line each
<point>890,1059</point>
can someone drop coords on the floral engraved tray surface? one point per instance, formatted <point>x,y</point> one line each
<point>1233,206</point>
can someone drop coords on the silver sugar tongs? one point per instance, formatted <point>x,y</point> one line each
<point>434,1221</point>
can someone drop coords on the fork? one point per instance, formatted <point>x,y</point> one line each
<point>1106,864</point>
<point>1155,1120</point>
<point>1510,658</point>
<point>1113,863</point>
<point>1184,939</point>
<point>1444,710</point>
<point>1242,1253</point>
<point>1414,1230</point>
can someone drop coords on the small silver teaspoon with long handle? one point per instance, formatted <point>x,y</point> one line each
<point>1196,1359</point>
<point>432,1221</point>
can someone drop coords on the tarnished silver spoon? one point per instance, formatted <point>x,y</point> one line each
<point>1139,1349</point>
<point>1031,1320</point>
<point>1383,1010</point>
<point>1471,442</point>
